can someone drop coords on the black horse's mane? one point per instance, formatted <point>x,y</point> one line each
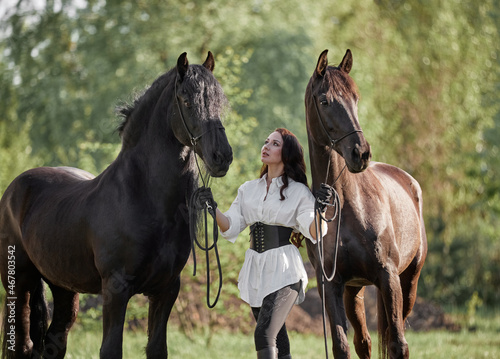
<point>195,78</point>
<point>149,97</point>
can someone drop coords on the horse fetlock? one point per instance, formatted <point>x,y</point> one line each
<point>399,350</point>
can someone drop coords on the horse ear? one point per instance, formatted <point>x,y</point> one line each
<point>182,65</point>
<point>209,62</point>
<point>322,64</point>
<point>346,64</point>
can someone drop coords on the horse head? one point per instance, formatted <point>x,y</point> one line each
<point>200,102</point>
<point>332,112</point>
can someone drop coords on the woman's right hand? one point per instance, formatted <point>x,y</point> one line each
<point>206,197</point>
<point>324,196</point>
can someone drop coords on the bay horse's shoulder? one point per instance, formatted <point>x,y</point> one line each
<point>389,172</point>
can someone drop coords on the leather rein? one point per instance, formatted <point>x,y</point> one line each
<point>338,212</point>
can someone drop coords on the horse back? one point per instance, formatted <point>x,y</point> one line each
<point>39,188</point>
<point>37,208</point>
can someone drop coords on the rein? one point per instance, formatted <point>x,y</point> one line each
<point>321,255</point>
<point>194,207</point>
<point>338,212</point>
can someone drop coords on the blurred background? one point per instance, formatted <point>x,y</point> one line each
<point>428,73</point>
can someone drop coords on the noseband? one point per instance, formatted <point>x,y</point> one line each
<point>332,141</point>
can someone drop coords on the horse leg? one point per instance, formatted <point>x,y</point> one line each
<point>66,307</point>
<point>392,296</point>
<point>116,294</point>
<point>25,313</point>
<point>338,320</point>
<point>409,283</point>
<point>39,317</point>
<point>355,309</point>
<point>160,307</point>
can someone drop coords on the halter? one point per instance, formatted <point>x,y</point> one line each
<point>195,206</point>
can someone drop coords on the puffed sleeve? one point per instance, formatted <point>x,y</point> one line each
<point>235,215</point>
<point>305,214</point>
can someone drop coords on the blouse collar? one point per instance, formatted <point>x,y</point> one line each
<point>276,182</point>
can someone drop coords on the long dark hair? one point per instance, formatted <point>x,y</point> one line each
<point>292,155</point>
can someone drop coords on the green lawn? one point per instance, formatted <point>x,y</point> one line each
<point>484,342</point>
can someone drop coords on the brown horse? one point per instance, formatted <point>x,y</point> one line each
<point>382,238</point>
<point>123,232</point>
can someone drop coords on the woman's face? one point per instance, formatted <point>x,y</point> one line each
<point>271,151</point>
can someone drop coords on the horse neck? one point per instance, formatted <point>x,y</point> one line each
<point>327,166</point>
<point>158,161</point>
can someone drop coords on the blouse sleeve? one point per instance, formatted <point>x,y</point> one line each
<point>305,215</point>
<point>236,220</point>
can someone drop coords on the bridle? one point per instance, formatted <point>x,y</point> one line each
<point>195,206</point>
<point>192,138</point>
<point>332,141</point>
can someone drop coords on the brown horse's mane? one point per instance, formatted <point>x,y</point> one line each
<point>339,83</point>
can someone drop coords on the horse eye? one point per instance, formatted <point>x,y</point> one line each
<point>187,104</point>
<point>324,102</point>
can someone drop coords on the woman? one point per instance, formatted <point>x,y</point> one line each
<point>279,208</point>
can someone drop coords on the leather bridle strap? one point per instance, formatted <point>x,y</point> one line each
<point>192,138</point>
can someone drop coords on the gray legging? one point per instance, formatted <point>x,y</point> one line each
<point>270,330</point>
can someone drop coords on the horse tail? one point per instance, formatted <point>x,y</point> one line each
<point>39,317</point>
<point>383,327</point>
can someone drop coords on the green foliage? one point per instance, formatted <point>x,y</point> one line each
<point>428,73</point>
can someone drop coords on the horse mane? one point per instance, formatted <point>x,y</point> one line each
<point>142,107</point>
<point>339,83</point>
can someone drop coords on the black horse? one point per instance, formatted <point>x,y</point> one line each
<point>123,232</point>
<point>381,238</point>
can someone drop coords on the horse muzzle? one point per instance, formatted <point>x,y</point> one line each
<point>217,154</point>
<point>359,158</point>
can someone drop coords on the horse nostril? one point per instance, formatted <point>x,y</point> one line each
<point>366,156</point>
<point>356,152</point>
<point>360,154</point>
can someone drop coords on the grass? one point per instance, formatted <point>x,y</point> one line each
<point>482,342</point>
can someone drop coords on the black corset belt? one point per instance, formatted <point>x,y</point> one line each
<point>264,236</point>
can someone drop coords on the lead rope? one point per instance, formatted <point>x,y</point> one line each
<point>194,207</point>
<point>210,208</point>
<point>319,237</point>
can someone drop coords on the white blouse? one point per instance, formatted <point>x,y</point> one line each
<point>265,273</point>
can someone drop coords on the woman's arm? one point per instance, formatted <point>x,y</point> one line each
<point>315,224</point>
<point>323,196</point>
<point>222,220</point>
